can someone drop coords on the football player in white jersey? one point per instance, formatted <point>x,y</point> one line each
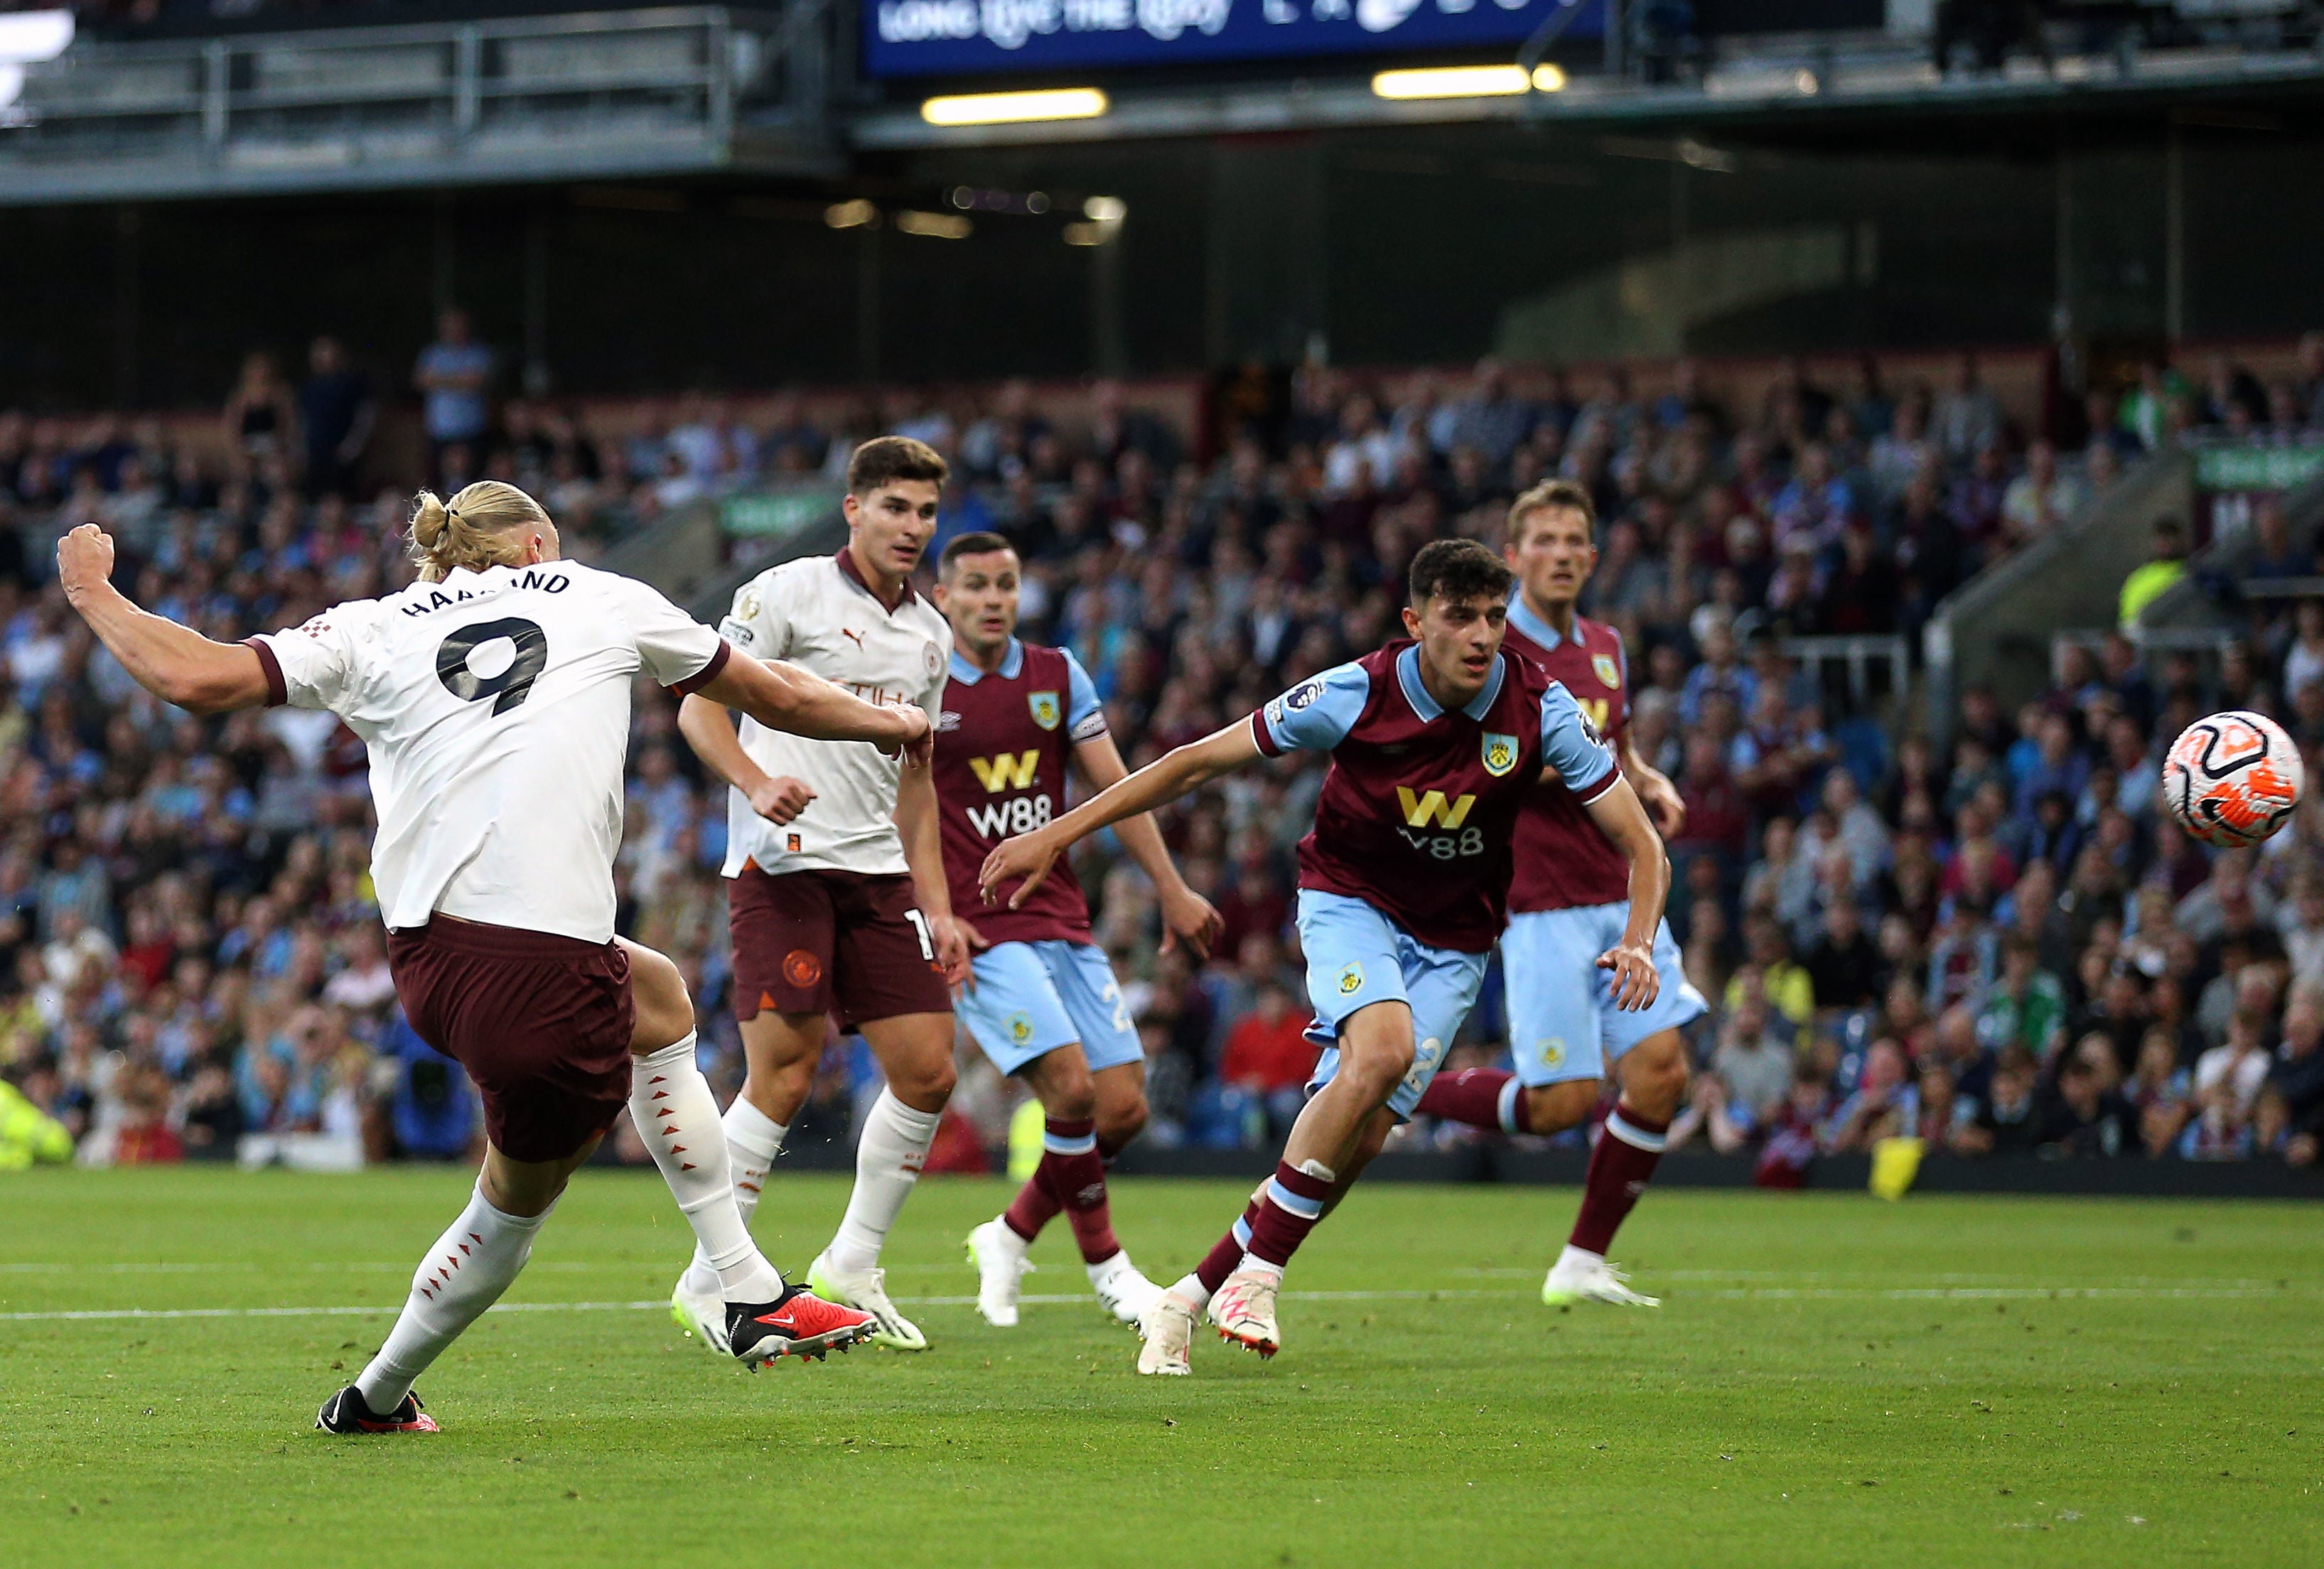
<point>493,697</point>
<point>837,895</point>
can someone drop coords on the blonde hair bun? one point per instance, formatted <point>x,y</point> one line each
<point>481,526</point>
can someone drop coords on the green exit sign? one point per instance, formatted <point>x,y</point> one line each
<point>779,513</point>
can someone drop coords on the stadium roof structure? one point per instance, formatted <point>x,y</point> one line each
<point>770,91</point>
<point>590,95</point>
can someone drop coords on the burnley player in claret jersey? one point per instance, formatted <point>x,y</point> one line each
<point>1435,744</point>
<point>1566,902</point>
<point>1042,1001</point>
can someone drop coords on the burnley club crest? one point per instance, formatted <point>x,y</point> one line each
<point>1500,754</point>
<point>1605,670</point>
<point>1046,710</point>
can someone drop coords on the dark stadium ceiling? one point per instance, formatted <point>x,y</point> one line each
<point>708,93</point>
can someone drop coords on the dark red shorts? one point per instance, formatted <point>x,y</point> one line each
<point>831,942</point>
<point>541,1022</point>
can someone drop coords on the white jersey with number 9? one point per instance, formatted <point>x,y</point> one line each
<point>496,708</point>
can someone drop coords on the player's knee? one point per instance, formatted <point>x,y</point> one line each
<point>1071,1097</point>
<point>665,1012</point>
<point>1120,1119</point>
<point>924,1086</point>
<point>1655,1081</point>
<point>1380,1066</point>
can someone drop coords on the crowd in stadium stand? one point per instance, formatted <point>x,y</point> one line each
<point>1996,945</point>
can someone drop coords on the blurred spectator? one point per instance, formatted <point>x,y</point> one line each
<point>1967,419</point>
<point>453,376</point>
<point>1267,1052</point>
<point>335,413</point>
<point>2146,583</point>
<point>259,415</point>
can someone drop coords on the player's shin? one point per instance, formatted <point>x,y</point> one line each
<point>1288,1209</point>
<point>1628,1149</point>
<point>1036,1203</point>
<point>1221,1260</point>
<point>678,1118</point>
<point>888,1159</point>
<point>1077,1177</point>
<point>1480,1097</point>
<point>463,1274</point>
<point>753,1140</point>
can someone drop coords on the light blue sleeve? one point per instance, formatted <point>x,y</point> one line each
<point>1571,746</point>
<point>1084,714</point>
<point>1316,715</point>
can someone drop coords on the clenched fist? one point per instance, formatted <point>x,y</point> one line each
<point>84,561</point>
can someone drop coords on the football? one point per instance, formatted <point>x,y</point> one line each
<point>2233,779</point>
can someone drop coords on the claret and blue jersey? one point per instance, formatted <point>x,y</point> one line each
<point>1418,811</point>
<point>1404,878</point>
<point>1004,742</point>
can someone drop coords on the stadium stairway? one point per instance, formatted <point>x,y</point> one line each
<point>1997,629</point>
<point>2213,595</point>
<point>686,553</point>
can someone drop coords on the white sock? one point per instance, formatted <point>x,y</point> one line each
<point>676,1116</point>
<point>463,1274</point>
<point>888,1157</point>
<point>1190,1288</point>
<point>1578,1258</point>
<point>753,1140</point>
<point>1252,1264</point>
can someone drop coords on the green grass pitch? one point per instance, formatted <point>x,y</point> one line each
<point>1831,1379</point>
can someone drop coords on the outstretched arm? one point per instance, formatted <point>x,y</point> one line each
<point>1188,767</point>
<point>175,663</point>
<point>709,729</point>
<point>1661,799</point>
<point>1623,819</point>
<point>782,697</point>
<point>1187,916</point>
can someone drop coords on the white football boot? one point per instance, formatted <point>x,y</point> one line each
<point>1002,1266</point>
<point>1580,1277</point>
<point>866,1291</point>
<point>1167,1332</point>
<point>1121,1290</point>
<point>1244,1312</point>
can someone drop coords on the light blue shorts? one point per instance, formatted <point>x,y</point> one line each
<point>1031,998</point>
<point>1357,957</point>
<point>1562,1021</point>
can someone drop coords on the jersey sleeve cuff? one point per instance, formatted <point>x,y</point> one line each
<point>1606,782</point>
<point>278,690</point>
<point>707,673</point>
<point>1264,736</point>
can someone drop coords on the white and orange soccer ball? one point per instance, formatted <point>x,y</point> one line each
<point>2233,779</point>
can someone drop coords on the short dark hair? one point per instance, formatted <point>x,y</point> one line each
<point>1548,493</point>
<point>980,542</point>
<point>885,459</point>
<point>1457,569</point>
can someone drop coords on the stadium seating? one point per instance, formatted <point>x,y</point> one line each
<point>193,968</point>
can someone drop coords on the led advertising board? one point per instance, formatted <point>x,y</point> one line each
<point>969,38</point>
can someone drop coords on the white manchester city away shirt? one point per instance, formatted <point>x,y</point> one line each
<point>496,708</point>
<point>816,614</point>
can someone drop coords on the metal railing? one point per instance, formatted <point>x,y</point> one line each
<point>1878,665</point>
<point>512,97</point>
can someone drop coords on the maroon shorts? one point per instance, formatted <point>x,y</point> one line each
<point>541,1022</point>
<point>844,942</point>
